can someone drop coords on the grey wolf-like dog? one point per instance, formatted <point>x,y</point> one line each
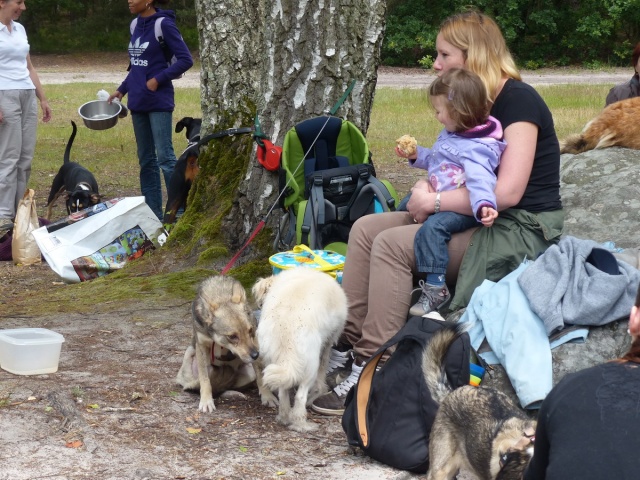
<point>223,345</point>
<point>476,428</point>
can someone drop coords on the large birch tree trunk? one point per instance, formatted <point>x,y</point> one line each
<point>285,61</point>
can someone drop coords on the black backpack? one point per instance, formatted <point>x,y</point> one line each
<point>389,412</point>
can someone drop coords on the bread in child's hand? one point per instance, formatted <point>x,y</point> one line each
<point>407,144</point>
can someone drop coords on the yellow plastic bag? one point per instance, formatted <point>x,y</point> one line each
<point>24,249</point>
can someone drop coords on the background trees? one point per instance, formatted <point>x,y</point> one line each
<point>539,32</point>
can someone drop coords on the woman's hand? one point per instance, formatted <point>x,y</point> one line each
<point>424,185</point>
<point>115,94</point>
<point>46,111</point>
<point>421,204</point>
<point>152,84</point>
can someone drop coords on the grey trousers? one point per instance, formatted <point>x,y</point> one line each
<point>17,145</point>
<point>379,275</point>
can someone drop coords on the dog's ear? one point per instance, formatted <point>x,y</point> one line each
<point>95,198</point>
<point>260,289</point>
<point>238,295</point>
<point>181,125</point>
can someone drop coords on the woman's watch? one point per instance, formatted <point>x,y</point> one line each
<point>436,209</point>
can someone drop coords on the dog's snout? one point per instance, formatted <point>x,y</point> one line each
<point>255,354</point>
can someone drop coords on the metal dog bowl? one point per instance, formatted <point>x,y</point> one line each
<point>100,115</point>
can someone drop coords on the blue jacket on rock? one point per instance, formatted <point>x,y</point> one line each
<point>148,61</point>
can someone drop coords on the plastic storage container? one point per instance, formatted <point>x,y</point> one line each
<point>30,351</point>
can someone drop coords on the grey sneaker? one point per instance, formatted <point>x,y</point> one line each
<point>339,366</point>
<point>432,298</point>
<point>332,403</point>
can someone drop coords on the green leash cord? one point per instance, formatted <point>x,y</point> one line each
<point>344,97</point>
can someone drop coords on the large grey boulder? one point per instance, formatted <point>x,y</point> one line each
<point>601,195</point>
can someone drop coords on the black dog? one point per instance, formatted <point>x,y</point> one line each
<point>74,183</point>
<point>185,171</point>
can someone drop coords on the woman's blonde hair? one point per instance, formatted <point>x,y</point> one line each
<point>466,99</point>
<point>484,48</point>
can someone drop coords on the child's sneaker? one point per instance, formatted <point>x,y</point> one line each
<point>432,298</point>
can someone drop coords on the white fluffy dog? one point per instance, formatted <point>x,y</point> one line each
<point>303,314</point>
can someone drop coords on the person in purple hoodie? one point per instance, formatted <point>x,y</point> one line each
<point>465,154</point>
<point>151,94</point>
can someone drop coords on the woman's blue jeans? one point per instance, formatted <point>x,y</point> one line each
<point>430,244</point>
<point>153,131</point>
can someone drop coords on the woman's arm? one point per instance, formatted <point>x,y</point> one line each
<point>516,163</point>
<point>44,104</point>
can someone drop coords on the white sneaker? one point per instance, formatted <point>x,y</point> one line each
<point>332,403</point>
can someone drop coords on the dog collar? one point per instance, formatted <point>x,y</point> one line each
<point>220,355</point>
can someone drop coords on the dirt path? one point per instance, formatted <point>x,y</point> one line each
<point>110,68</point>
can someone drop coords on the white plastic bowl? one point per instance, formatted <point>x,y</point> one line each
<point>30,351</point>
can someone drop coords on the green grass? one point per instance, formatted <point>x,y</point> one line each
<point>111,154</point>
<point>399,111</point>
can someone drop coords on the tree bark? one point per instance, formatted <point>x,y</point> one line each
<point>285,61</point>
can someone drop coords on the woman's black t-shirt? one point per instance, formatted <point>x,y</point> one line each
<point>519,102</point>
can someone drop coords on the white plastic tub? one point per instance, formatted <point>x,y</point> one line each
<point>30,351</point>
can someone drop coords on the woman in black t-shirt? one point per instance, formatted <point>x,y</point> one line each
<point>379,271</point>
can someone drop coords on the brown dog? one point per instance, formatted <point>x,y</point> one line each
<point>616,126</point>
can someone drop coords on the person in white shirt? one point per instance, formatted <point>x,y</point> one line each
<point>19,87</point>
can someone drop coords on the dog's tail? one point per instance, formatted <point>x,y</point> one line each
<point>433,359</point>
<point>575,143</point>
<point>67,151</point>
<point>277,376</point>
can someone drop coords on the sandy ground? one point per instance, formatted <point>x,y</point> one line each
<point>387,77</point>
<point>113,410</point>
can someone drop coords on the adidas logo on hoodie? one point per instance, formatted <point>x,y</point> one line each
<point>135,50</point>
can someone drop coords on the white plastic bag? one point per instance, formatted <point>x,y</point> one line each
<point>24,249</point>
<point>100,239</point>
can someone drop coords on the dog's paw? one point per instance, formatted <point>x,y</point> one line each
<point>268,398</point>
<point>207,405</point>
<point>303,427</point>
<point>233,395</point>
